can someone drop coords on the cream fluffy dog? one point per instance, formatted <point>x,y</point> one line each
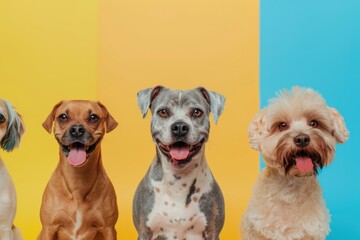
<point>11,130</point>
<point>296,135</point>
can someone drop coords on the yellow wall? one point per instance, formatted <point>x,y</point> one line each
<point>109,50</point>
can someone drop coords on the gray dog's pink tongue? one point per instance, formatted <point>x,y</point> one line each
<point>179,152</point>
<point>304,164</point>
<point>77,156</point>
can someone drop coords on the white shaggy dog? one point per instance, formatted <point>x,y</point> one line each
<point>11,130</point>
<point>296,135</point>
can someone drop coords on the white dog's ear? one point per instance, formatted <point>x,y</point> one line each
<point>257,128</point>
<point>14,131</point>
<point>145,98</point>
<point>110,122</point>
<point>340,133</point>
<point>48,123</point>
<point>216,102</point>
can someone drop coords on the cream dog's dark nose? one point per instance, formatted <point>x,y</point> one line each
<point>179,129</point>
<point>77,131</point>
<point>302,140</point>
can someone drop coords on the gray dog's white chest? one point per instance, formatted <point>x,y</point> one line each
<point>176,213</point>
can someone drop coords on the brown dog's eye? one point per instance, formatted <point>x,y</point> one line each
<point>283,126</point>
<point>313,123</point>
<point>62,118</point>
<point>2,118</point>
<point>94,118</point>
<point>197,113</point>
<point>163,113</point>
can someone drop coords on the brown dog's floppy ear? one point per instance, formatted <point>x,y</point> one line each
<point>145,98</point>
<point>47,124</point>
<point>256,129</point>
<point>216,102</point>
<point>110,122</point>
<point>340,133</point>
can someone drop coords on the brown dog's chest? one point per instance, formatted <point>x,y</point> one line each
<point>81,223</point>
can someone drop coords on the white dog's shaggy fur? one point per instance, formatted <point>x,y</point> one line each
<point>11,130</point>
<point>296,135</point>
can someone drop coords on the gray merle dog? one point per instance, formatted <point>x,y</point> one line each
<point>179,198</point>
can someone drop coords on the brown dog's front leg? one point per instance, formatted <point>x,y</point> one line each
<point>109,233</point>
<point>47,233</point>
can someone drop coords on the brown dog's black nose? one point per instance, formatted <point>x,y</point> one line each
<point>179,129</point>
<point>302,140</point>
<point>77,131</point>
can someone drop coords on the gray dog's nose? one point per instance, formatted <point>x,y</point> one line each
<point>302,140</point>
<point>77,130</point>
<point>179,129</point>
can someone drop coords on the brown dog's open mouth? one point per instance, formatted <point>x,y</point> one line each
<point>77,152</point>
<point>180,153</point>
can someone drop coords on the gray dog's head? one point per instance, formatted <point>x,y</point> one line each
<point>180,120</point>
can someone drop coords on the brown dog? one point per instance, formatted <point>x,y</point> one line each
<point>79,202</point>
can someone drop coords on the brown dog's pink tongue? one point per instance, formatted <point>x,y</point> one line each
<point>179,152</point>
<point>304,164</point>
<point>77,156</point>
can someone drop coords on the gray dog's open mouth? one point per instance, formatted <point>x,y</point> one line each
<point>180,153</point>
<point>77,152</point>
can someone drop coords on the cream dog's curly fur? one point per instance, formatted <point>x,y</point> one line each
<point>296,135</point>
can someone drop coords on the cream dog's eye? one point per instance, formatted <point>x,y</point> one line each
<point>163,113</point>
<point>2,118</point>
<point>94,118</point>
<point>283,126</point>
<point>313,123</point>
<point>63,118</point>
<point>197,113</point>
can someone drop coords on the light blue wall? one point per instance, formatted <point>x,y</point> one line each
<point>316,43</point>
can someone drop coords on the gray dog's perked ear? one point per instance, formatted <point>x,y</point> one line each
<point>216,102</point>
<point>145,98</point>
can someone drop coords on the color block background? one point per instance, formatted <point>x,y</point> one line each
<point>109,50</point>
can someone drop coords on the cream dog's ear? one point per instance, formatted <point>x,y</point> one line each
<point>340,133</point>
<point>145,98</point>
<point>216,102</point>
<point>110,122</point>
<point>14,131</point>
<point>257,128</point>
<point>47,124</point>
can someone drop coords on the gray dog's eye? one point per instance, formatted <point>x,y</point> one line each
<point>163,113</point>
<point>2,118</point>
<point>94,118</point>
<point>197,113</point>
<point>62,118</point>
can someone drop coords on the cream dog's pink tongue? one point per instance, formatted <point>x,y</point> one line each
<point>304,164</point>
<point>77,156</point>
<point>180,152</point>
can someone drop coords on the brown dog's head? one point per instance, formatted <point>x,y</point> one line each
<point>79,126</point>
<point>297,132</point>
